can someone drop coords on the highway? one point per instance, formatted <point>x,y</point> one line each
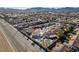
<point>16,40</point>
<point>4,45</point>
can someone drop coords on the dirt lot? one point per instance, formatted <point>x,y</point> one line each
<point>4,45</point>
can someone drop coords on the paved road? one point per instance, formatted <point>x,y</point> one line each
<point>17,41</point>
<point>4,45</point>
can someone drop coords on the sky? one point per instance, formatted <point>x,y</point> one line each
<point>39,3</point>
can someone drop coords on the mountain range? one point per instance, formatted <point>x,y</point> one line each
<point>65,9</point>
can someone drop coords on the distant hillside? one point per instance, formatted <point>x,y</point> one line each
<point>9,10</point>
<point>66,9</point>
